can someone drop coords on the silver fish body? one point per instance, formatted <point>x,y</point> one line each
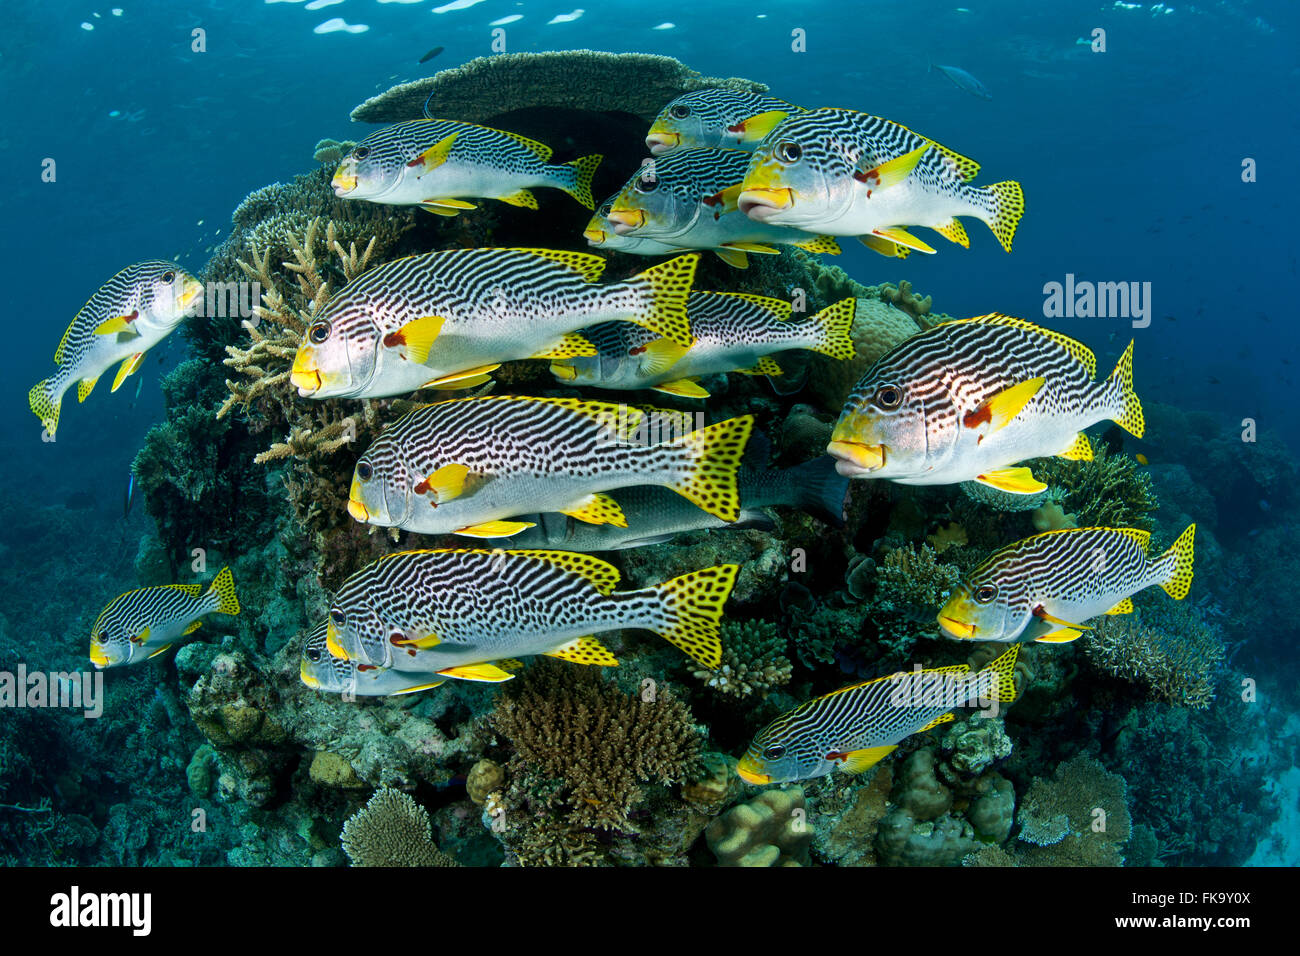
<point>143,623</point>
<point>716,117</point>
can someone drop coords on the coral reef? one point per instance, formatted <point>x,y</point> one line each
<point>1079,817</point>
<point>770,830</point>
<point>392,830</point>
<point>1111,491</point>
<point>753,660</point>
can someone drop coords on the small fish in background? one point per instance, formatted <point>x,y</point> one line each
<point>1044,587</point>
<point>139,386</point>
<point>1142,459</point>
<point>715,117</point>
<point>143,623</point>
<point>437,164</point>
<point>968,399</point>
<point>466,608</point>
<point>431,54</point>
<point>854,728</point>
<point>128,315</point>
<point>128,496</point>
<point>963,80</point>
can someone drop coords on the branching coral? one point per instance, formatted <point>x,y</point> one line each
<point>753,659</point>
<point>1166,646</point>
<point>392,830</point>
<point>1079,817</point>
<point>1111,491</point>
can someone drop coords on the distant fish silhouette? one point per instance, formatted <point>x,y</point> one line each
<point>431,54</point>
<point>963,80</point>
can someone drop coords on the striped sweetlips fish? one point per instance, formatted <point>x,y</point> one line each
<point>447,319</point>
<point>716,117</point>
<point>733,332</point>
<point>688,198</point>
<point>966,399</point>
<point>600,234</point>
<point>856,727</point>
<point>463,466</point>
<point>467,607</point>
<point>143,623</point>
<point>843,173</point>
<point>1044,587</point>
<point>321,670</point>
<point>437,164</point>
<point>128,315</point>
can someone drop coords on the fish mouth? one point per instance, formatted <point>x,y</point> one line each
<point>625,220</point>
<point>752,776</point>
<point>192,289</point>
<point>955,628</point>
<point>305,375</point>
<point>762,203</point>
<point>856,458</point>
<point>343,182</point>
<point>594,236</point>
<point>307,677</point>
<point>660,143</point>
<point>98,657</point>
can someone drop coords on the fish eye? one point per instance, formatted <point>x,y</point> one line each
<point>606,209</point>
<point>169,276</point>
<point>680,111</point>
<point>313,654</point>
<point>338,617</point>
<point>647,184</point>
<point>364,471</point>
<point>775,752</point>
<point>361,152</point>
<point>888,397</point>
<point>789,152</point>
<point>319,332</point>
<point>986,593</point>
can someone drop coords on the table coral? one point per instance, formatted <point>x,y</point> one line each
<point>392,830</point>
<point>770,830</point>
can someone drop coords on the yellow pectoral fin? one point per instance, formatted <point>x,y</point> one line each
<point>465,379</point>
<point>418,336</point>
<point>660,355</point>
<point>447,483</point>
<point>486,673</point>
<point>724,201</point>
<point>1017,481</point>
<point>1080,449</point>
<point>118,323</point>
<point>997,411</point>
<point>902,237</point>
<point>142,638</point>
<point>434,156</point>
<point>495,529</point>
<point>759,125</point>
<point>165,647</point>
<point>892,172</point>
<point>597,509</point>
<point>857,761</point>
<point>565,373</point>
<point>1050,619</point>
<point>571,345</point>
<point>85,387</point>
<point>423,643</point>
<point>684,387</point>
<point>733,257</point>
<point>585,650</point>
<point>1123,607</point>
<point>885,247</point>
<point>129,364</point>
<point>192,628</point>
<point>1063,636</point>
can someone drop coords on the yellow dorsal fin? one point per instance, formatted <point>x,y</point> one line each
<point>683,387</point>
<point>463,379</point>
<point>732,257</point>
<point>495,529</point>
<point>585,650</point>
<point>1077,349</point>
<point>487,673</point>
<point>1141,537</point>
<point>953,231</point>
<point>621,420</point>
<point>778,307</point>
<point>434,156</point>
<point>446,483</point>
<point>1080,449</point>
<point>540,150</point>
<point>129,365</point>
<point>997,411</point>
<point>602,575</point>
<point>597,509</point>
<point>570,345</point>
<point>1017,481</point>
<point>522,198</point>
<point>899,235</point>
<point>1123,607</point>
<point>589,266</point>
<point>856,761</point>
<point>966,167</point>
<point>823,244</point>
<point>417,336</point>
<point>85,387</point>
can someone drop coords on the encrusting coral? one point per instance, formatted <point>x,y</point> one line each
<point>392,830</point>
<point>1078,817</point>
<point>770,830</point>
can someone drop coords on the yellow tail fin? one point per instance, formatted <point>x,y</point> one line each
<point>1003,670</point>
<point>1006,206</point>
<point>710,479</point>
<point>584,169</point>
<point>836,325</point>
<point>1130,417</point>
<point>45,405</point>
<point>667,286</point>
<point>1178,560</point>
<point>223,586</point>
<point>693,611</point>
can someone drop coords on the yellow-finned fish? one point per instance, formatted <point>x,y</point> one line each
<point>856,727</point>
<point>716,117</point>
<point>128,315</point>
<point>143,623</point>
<point>1044,587</point>
<point>966,400</point>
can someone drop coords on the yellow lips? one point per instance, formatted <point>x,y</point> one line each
<point>307,677</point>
<point>97,655</point>
<point>660,142</point>
<point>958,629</point>
<point>343,181</point>
<point>866,457</point>
<point>305,374</point>
<point>192,290</point>
<point>634,218</point>
<point>776,197</point>
<point>592,234</point>
<point>750,775</point>
<point>332,642</point>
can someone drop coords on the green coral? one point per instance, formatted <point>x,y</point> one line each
<point>1111,491</point>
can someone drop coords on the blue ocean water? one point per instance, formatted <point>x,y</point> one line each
<point>1132,160</point>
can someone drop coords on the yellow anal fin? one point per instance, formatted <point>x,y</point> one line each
<point>417,336</point>
<point>1123,607</point>
<point>586,264</point>
<point>1080,449</point>
<point>759,248</point>
<point>495,529</point>
<point>997,411</point>
<point>487,673</point>
<point>823,244</point>
<point>463,379</point>
<point>85,387</point>
<point>856,761</point>
<point>732,257</point>
<point>446,483</point>
<point>603,576</point>
<point>902,237</point>
<point>523,198</point>
<point>192,628</point>
<point>941,719</point>
<point>885,247</point>
<point>764,366</point>
<point>893,172</point>
<point>571,345</point>
<point>417,688</point>
<point>161,650</point>
<point>129,365</point>
<point>953,231</point>
<point>540,150</point>
<point>585,650</point>
<point>118,323</point>
<point>434,156</point>
<point>683,387</point>
<point>1017,481</point>
<point>597,509</point>
<point>1063,636</point>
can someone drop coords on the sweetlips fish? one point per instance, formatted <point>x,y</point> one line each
<point>437,164</point>
<point>465,465</point>
<point>600,234</point>
<point>715,117</point>
<point>468,607</point>
<point>733,331</point>
<point>856,727</point>
<point>321,670</point>
<point>1044,587</point>
<point>447,319</point>
<point>844,173</point>
<point>655,515</point>
<point>143,623</point>
<point>128,315</point>
<point>688,198</point>
<point>965,400</point>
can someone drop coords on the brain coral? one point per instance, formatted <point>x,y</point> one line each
<point>770,830</point>
<point>877,328</point>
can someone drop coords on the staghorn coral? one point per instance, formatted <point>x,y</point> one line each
<point>1079,817</point>
<point>1110,491</point>
<point>770,830</point>
<point>1166,646</point>
<point>1000,500</point>
<point>392,830</point>
<point>753,660</point>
